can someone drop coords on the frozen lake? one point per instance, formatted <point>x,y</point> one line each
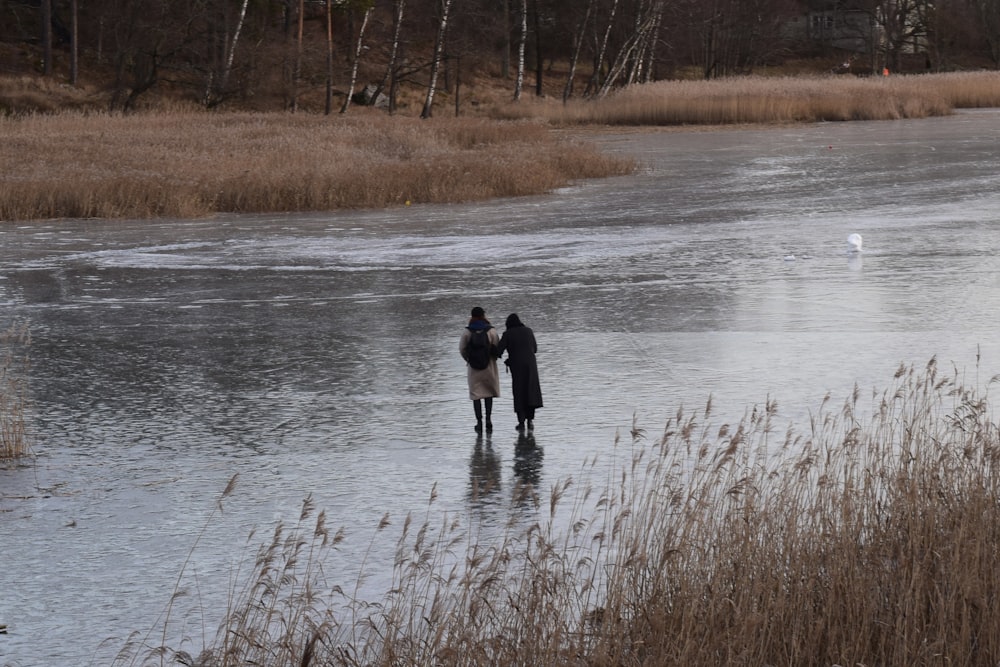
<point>317,354</point>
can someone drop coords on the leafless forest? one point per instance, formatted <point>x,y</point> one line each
<point>420,55</point>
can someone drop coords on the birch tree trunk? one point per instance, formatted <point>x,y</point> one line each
<point>595,80</point>
<point>217,90</point>
<point>436,62</point>
<point>577,45</point>
<point>630,52</point>
<point>654,39</point>
<point>390,69</point>
<point>519,82</point>
<point>646,28</point>
<point>357,59</point>
<point>635,63</point>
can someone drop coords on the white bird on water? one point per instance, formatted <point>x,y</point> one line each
<point>854,243</point>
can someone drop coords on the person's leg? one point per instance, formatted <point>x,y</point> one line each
<point>530,415</point>
<point>489,413</point>
<point>477,406</point>
<point>515,390</point>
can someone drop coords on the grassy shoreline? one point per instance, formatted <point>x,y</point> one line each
<point>195,164</point>
<point>770,100</point>
<point>192,164</point>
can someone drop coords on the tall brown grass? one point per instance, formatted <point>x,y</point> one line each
<point>186,164</point>
<point>760,99</point>
<point>867,538</point>
<point>14,362</point>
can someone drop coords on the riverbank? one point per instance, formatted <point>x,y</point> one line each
<point>191,163</point>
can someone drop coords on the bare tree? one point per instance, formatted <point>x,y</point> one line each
<point>445,8</point>
<point>505,61</point>
<point>328,108</point>
<point>147,37</point>
<point>653,42</point>
<point>539,59</point>
<point>988,12</point>
<point>215,90</point>
<point>578,36</point>
<point>297,70</point>
<point>595,80</point>
<point>74,42</point>
<point>522,42</point>
<point>903,25</point>
<point>356,59</point>
<point>390,77</point>
<point>647,27</point>
<point>46,8</point>
<point>631,50</point>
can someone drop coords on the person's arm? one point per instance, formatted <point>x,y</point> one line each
<point>462,343</point>
<point>502,345</point>
<point>495,342</point>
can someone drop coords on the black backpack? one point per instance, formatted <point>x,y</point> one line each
<point>479,349</point>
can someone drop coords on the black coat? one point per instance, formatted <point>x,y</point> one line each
<point>519,344</point>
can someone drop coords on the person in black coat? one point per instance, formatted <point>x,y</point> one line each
<point>518,341</point>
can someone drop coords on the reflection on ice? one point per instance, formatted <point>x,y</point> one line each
<point>854,243</point>
<point>528,460</point>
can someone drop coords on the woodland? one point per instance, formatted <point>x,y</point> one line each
<point>325,55</point>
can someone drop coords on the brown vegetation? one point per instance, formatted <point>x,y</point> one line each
<point>867,539</point>
<point>191,163</point>
<point>13,392</point>
<point>185,164</point>
<point>775,100</point>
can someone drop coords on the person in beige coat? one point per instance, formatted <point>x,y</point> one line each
<point>484,383</point>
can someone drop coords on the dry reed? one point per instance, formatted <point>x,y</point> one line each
<point>196,164</point>
<point>774,100</point>
<point>189,164</point>
<point>14,360</point>
<point>870,538</point>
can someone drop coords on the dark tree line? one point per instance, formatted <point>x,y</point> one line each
<point>220,50</point>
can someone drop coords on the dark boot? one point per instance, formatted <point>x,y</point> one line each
<point>489,413</point>
<point>477,407</point>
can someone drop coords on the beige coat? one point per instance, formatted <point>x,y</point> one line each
<point>484,383</point>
